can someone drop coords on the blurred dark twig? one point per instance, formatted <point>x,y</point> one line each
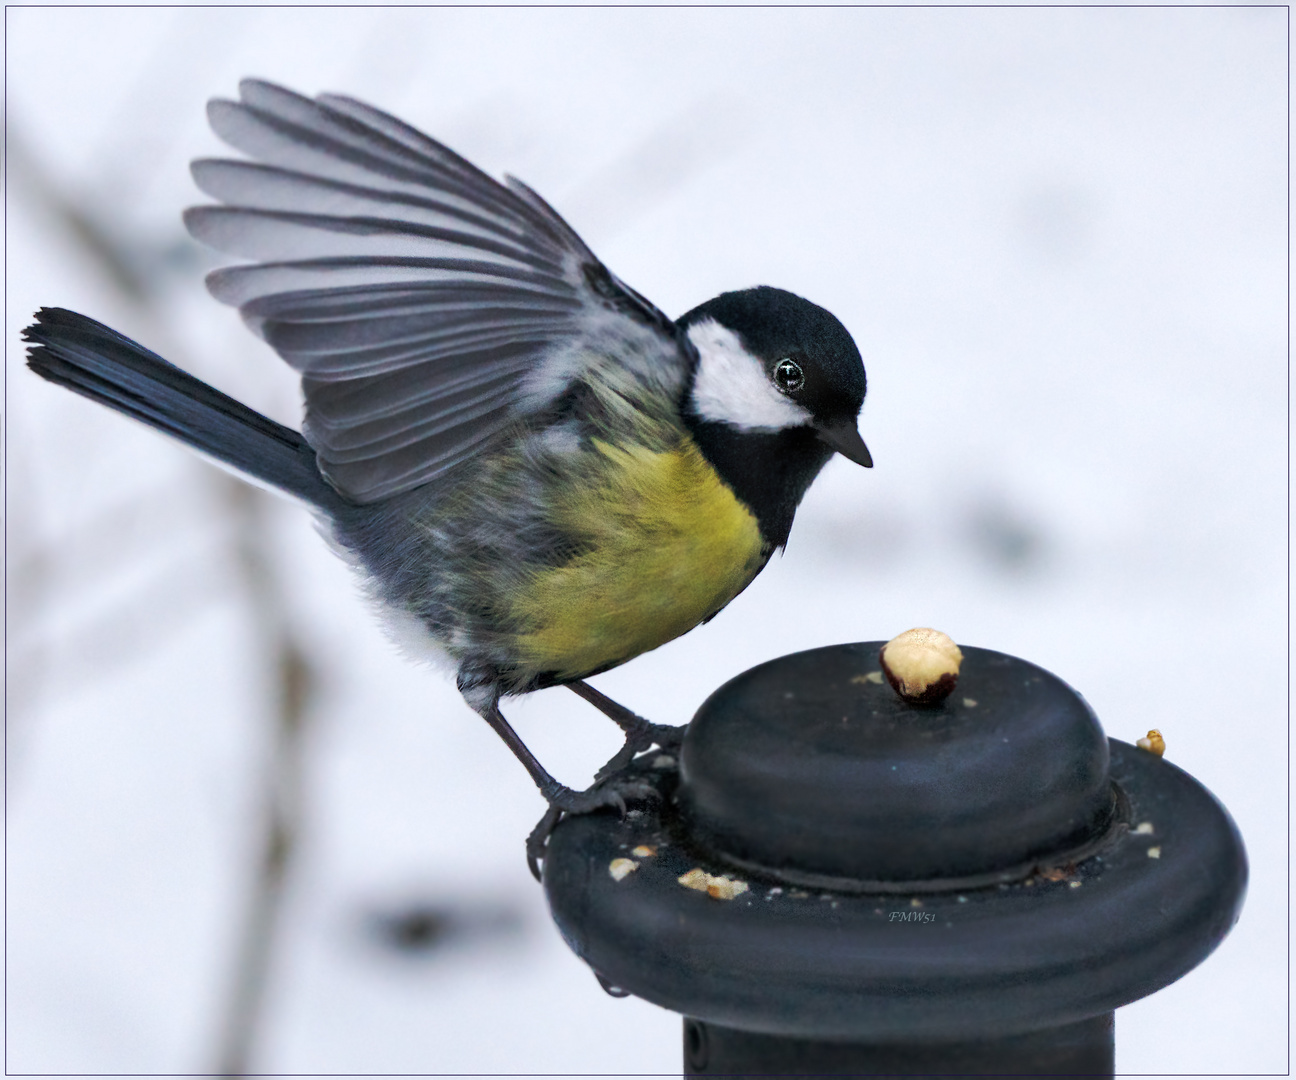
<point>138,274</point>
<point>283,806</point>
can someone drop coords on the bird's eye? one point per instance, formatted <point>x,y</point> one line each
<point>788,376</point>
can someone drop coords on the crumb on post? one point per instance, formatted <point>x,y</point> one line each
<point>1153,743</point>
<point>716,886</point>
<point>619,868</point>
<point>922,665</point>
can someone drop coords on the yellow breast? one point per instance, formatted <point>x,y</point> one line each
<point>664,544</point>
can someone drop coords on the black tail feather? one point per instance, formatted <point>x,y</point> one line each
<point>89,358</point>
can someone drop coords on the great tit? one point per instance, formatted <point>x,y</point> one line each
<point>539,474</point>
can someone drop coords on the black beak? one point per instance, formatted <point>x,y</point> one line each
<point>844,437</point>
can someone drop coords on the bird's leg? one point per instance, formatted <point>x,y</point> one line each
<point>561,799</point>
<point>640,734</point>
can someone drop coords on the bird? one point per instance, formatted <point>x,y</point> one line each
<point>537,474</point>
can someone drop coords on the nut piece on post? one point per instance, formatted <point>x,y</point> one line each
<point>620,868</point>
<point>1152,742</point>
<point>716,886</point>
<point>921,665</point>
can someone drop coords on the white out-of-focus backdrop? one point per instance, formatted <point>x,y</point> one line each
<point>1059,239</point>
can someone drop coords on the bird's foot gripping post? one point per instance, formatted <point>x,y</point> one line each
<point>615,790</point>
<point>842,879</point>
<point>611,786</point>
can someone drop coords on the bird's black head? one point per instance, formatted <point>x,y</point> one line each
<point>778,387</point>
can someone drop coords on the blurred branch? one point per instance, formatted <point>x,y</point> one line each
<point>137,273</point>
<point>283,805</point>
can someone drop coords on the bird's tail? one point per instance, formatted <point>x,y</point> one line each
<point>90,359</point>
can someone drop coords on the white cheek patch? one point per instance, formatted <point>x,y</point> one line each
<point>732,387</point>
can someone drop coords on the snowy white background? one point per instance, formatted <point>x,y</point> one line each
<point>1058,237</point>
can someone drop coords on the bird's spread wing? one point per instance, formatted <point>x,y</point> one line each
<point>426,305</point>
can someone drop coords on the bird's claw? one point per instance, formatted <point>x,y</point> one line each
<point>563,801</point>
<point>539,839</point>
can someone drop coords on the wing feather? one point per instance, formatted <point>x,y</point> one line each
<point>339,404</point>
<point>373,439</point>
<point>423,302</point>
<point>266,187</point>
<point>379,360</point>
<point>281,234</point>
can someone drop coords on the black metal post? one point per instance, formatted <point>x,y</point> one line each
<point>834,881</point>
<point>1087,1048</point>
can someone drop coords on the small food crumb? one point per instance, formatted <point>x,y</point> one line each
<point>915,902</point>
<point>874,677</point>
<point>716,886</point>
<point>1154,853</point>
<point>644,851</point>
<point>722,888</point>
<point>663,761</point>
<point>619,868</point>
<point>1144,828</point>
<point>1074,884</point>
<point>1152,742</point>
<point>969,703</point>
<point>922,665</point>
